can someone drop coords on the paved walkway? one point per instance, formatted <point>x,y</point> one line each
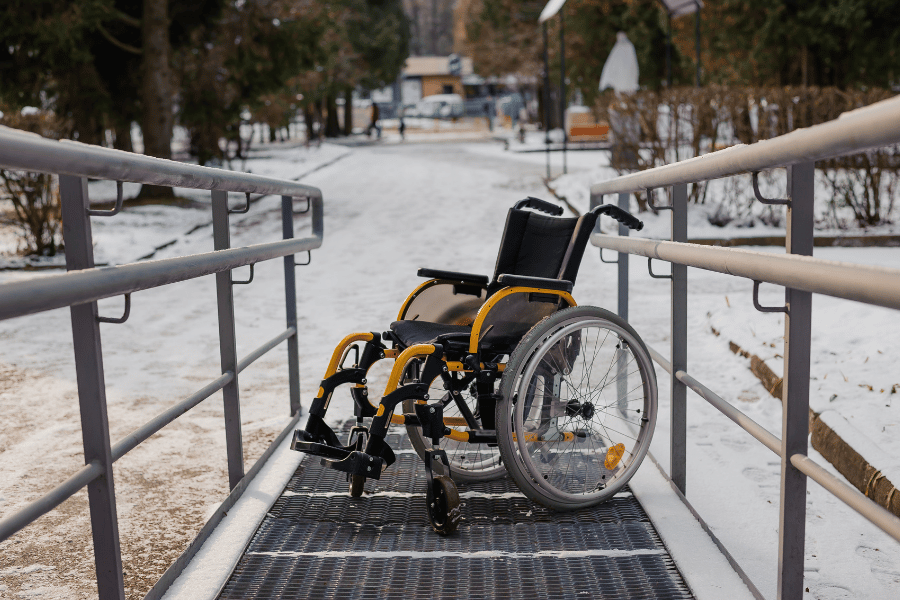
<point>318,542</point>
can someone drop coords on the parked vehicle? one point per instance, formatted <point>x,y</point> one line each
<point>441,106</point>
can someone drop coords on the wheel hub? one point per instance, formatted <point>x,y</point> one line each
<point>585,410</point>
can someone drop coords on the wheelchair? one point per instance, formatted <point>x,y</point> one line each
<point>500,375</point>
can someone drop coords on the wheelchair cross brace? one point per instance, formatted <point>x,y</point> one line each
<point>320,440</point>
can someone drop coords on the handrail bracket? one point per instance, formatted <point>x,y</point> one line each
<point>654,275</point>
<point>765,309</point>
<point>770,201</point>
<point>653,206</point>
<point>241,211</point>
<point>245,282</point>
<point>124,316</point>
<point>120,201</point>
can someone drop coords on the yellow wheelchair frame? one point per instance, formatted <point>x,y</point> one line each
<point>462,334</point>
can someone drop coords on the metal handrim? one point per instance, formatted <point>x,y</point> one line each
<point>637,364</point>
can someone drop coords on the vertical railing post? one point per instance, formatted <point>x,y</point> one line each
<point>678,445</point>
<point>622,309</point>
<point>228,343</point>
<point>290,300</point>
<point>622,291</point>
<point>795,419</point>
<point>92,393</point>
<point>624,200</point>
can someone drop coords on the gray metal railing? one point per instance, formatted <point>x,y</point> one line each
<point>84,284</point>
<point>800,274</point>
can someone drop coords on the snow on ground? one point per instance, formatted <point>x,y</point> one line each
<point>389,210</point>
<point>168,486</point>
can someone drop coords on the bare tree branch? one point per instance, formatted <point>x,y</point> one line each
<point>117,43</point>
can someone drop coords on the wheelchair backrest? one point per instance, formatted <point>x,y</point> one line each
<point>540,245</point>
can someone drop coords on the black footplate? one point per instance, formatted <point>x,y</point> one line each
<point>357,463</point>
<point>346,460</point>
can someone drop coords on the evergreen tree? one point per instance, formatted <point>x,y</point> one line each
<point>847,44</point>
<point>362,43</point>
<point>99,64</point>
<point>237,63</point>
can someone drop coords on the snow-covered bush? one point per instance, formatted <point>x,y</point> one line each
<point>655,128</point>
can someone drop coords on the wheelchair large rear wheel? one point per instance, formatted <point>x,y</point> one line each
<point>468,462</point>
<point>577,409</point>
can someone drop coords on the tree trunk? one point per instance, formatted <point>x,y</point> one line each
<point>309,120</point>
<point>156,89</point>
<point>332,127</point>
<point>123,137</point>
<point>348,112</point>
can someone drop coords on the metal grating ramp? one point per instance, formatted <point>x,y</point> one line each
<point>319,543</point>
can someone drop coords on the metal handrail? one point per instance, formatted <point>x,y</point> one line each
<point>83,285</point>
<point>142,433</point>
<point>27,297</point>
<point>31,152</point>
<point>801,275</point>
<point>855,131</point>
<point>33,510</point>
<point>743,421</point>
<point>880,517</point>
<point>259,352</point>
<point>862,283</point>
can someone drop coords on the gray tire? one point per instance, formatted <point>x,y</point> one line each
<point>577,409</point>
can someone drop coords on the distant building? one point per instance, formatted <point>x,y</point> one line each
<point>430,75</point>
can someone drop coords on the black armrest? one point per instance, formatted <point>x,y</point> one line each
<point>453,275</point>
<point>538,282</point>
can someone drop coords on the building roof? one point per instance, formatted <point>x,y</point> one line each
<point>419,66</point>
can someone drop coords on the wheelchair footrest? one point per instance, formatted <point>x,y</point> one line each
<point>357,463</point>
<point>345,460</point>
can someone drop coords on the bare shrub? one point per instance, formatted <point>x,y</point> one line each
<point>34,196</point>
<point>35,200</point>
<point>655,128</point>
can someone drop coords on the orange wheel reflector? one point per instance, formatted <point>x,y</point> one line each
<point>613,456</point>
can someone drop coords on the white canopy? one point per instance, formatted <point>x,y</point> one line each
<point>551,9</point>
<point>621,69</point>
<point>677,8</point>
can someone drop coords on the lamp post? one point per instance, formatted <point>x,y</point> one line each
<point>546,101</point>
<point>697,36</point>
<point>562,85</point>
<point>550,10</point>
<point>679,8</point>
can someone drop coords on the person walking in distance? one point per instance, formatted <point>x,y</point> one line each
<point>376,115</point>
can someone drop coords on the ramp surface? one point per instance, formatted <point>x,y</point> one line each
<point>318,542</point>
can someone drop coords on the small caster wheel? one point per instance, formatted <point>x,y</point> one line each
<point>357,483</point>
<point>442,499</point>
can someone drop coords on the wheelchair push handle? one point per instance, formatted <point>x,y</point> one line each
<point>621,215</point>
<point>541,205</point>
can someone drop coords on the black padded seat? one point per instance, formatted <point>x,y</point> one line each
<point>409,333</point>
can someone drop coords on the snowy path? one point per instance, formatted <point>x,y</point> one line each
<point>388,211</point>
